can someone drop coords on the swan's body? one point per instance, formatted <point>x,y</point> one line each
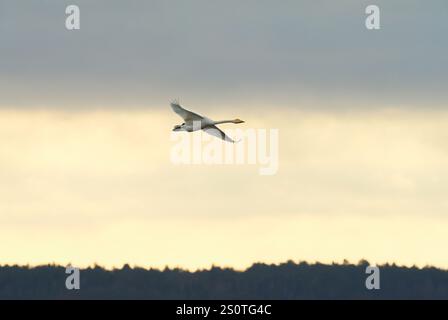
<point>194,122</point>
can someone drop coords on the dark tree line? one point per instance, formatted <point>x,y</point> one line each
<point>285,281</point>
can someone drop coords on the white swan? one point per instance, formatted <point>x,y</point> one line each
<point>194,122</point>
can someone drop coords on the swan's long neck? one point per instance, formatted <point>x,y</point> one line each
<point>223,121</point>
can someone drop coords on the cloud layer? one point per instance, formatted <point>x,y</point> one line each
<point>145,52</point>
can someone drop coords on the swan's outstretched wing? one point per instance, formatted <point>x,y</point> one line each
<point>215,131</point>
<point>184,113</point>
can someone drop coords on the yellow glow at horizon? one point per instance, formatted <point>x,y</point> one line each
<point>98,187</point>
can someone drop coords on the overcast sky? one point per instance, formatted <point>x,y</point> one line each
<point>143,53</point>
<point>361,116</point>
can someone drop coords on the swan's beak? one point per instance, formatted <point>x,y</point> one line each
<point>239,121</point>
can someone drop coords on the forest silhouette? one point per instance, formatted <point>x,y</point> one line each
<point>288,280</point>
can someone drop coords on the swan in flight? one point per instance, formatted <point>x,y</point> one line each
<point>194,122</point>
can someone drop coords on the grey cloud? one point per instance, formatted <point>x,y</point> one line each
<point>137,52</point>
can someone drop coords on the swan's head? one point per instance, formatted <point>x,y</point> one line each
<point>238,121</point>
